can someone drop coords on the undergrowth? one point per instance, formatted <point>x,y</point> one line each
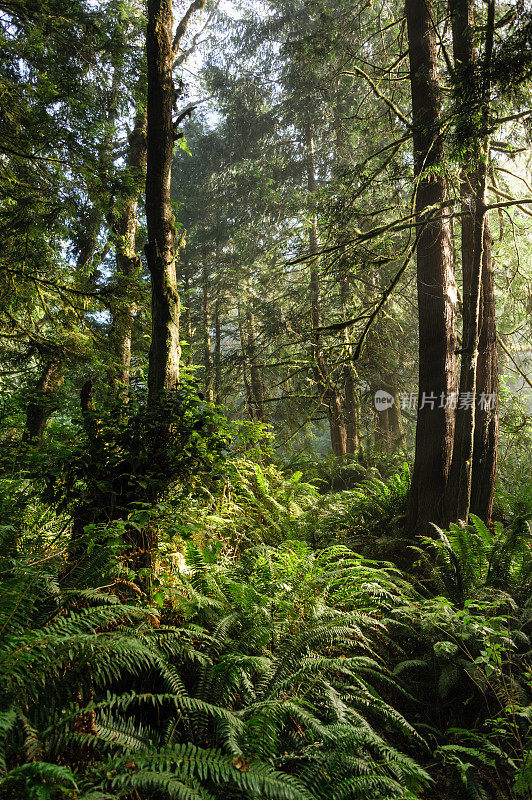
<point>270,657</point>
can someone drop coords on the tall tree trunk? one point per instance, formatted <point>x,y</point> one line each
<point>351,410</point>
<point>327,390</point>
<point>351,396</point>
<point>257,387</point>
<point>472,479</point>
<point>160,254</point>
<point>382,430</point>
<point>487,409</point>
<point>162,52</point>
<point>207,347</point>
<point>245,378</point>
<point>343,147</point>
<point>128,264</point>
<point>187,315</point>
<point>436,286</point>
<point>389,431</point>
<point>395,417</point>
<point>163,374</point>
<point>217,353</point>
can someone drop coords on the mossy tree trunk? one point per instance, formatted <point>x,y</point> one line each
<point>160,250</point>
<point>207,344</point>
<point>128,265</point>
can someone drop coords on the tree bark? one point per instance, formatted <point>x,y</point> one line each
<point>187,315</point>
<point>382,430</point>
<point>397,431</point>
<point>128,263</point>
<point>487,413</point>
<point>351,398</point>
<point>245,378</point>
<point>163,374</point>
<point>44,402</point>
<point>472,480</point>
<point>436,286</point>
<point>257,387</point>
<point>217,353</point>
<point>351,410</point>
<point>326,388</point>
<point>207,345</point>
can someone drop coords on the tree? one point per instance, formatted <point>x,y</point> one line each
<point>436,286</point>
<point>472,479</point>
<point>160,247</point>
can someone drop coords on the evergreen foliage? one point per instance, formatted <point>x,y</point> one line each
<point>220,572</point>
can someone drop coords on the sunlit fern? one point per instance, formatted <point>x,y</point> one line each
<point>296,654</point>
<point>94,684</point>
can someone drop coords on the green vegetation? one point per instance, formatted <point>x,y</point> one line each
<point>265,394</point>
<point>266,656</point>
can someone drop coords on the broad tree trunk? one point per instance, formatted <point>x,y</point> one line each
<point>44,402</point>
<point>472,480</point>
<point>327,390</point>
<point>164,357</point>
<point>436,286</point>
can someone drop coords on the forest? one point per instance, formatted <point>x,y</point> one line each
<point>265,400</point>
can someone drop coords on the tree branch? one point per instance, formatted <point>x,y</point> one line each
<point>196,5</point>
<point>360,72</point>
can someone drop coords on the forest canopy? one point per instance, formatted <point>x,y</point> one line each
<point>265,399</point>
